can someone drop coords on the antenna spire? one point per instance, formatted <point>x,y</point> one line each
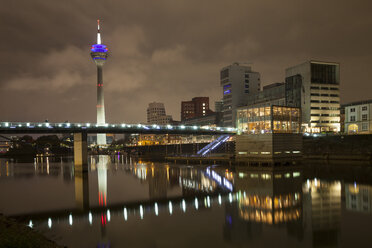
<point>98,34</point>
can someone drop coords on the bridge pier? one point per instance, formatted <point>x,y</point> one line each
<point>81,151</point>
<point>81,188</point>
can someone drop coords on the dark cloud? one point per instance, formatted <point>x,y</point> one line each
<point>167,51</point>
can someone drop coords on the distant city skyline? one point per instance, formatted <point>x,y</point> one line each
<point>168,52</point>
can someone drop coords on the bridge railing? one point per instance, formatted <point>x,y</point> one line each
<point>87,126</point>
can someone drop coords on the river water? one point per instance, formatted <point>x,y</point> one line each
<point>122,202</point>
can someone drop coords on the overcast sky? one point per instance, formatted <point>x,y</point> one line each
<point>167,51</point>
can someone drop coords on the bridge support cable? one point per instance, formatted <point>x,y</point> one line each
<point>213,145</point>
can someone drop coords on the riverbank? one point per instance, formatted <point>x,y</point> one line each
<point>15,234</point>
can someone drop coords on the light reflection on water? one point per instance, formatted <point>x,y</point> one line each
<point>119,201</point>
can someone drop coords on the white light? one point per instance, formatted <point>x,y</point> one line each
<point>156,209</point>
<point>208,201</point>
<point>141,212</point>
<point>20,125</point>
<point>50,223</point>
<point>308,183</point>
<point>6,124</point>
<point>60,125</point>
<point>39,125</point>
<point>316,182</point>
<point>182,127</point>
<point>139,125</point>
<point>196,203</point>
<point>106,125</point>
<point>98,38</point>
<point>68,124</point>
<point>170,208</point>
<point>79,125</point>
<point>230,197</point>
<point>183,205</point>
<point>219,199</point>
<point>122,125</point>
<point>28,124</point>
<point>30,224</point>
<point>88,124</point>
<point>113,125</point>
<point>108,215</point>
<point>125,214</point>
<point>90,218</point>
<point>169,127</point>
<point>70,220</point>
<point>195,127</point>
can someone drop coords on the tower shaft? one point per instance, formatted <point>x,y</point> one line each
<point>100,97</point>
<point>101,137</point>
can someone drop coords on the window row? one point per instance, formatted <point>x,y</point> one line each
<point>326,108</point>
<point>323,101</point>
<point>323,88</point>
<point>332,95</point>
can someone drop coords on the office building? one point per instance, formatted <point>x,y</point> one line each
<point>218,106</point>
<point>272,94</point>
<point>156,114</point>
<point>212,119</point>
<point>314,86</point>
<point>358,117</point>
<point>197,107</point>
<point>238,82</point>
<point>268,133</point>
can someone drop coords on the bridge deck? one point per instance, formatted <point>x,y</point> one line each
<point>46,127</point>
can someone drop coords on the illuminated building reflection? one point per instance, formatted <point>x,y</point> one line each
<point>358,197</point>
<point>265,197</point>
<point>322,211</point>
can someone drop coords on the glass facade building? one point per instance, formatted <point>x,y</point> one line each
<point>268,119</point>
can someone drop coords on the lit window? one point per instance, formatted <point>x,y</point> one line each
<point>364,126</point>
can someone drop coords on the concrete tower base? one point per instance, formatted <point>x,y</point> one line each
<point>101,139</point>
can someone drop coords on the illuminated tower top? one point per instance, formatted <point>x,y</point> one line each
<point>99,51</point>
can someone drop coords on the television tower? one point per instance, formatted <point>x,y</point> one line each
<point>99,54</point>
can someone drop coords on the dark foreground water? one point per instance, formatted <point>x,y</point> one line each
<point>125,203</point>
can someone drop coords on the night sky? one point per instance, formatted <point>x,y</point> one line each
<point>167,51</point>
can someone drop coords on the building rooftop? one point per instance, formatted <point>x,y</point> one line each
<point>356,103</point>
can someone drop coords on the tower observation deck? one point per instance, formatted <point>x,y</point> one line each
<point>99,54</point>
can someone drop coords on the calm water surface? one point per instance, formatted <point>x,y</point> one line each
<point>120,202</point>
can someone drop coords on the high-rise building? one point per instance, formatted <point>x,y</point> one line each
<point>99,55</point>
<point>197,107</point>
<point>238,83</point>
<point>156,114</point>
<point>314,86</point>
<point>218,105</point>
